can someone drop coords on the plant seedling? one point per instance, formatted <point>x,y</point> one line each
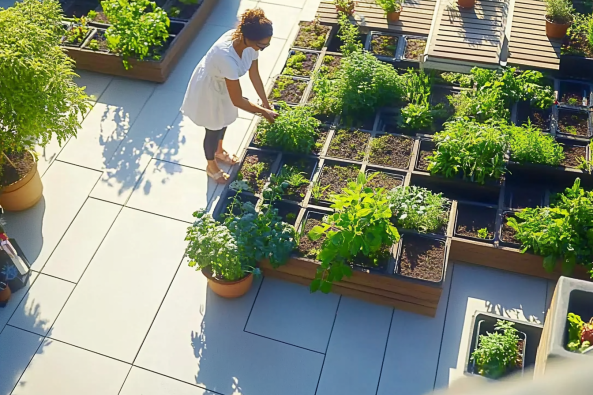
<point>483,233</point>
<point>497,352</point>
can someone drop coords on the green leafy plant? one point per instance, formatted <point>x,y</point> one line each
<point>476,150</point>
<point>349,35</point>
<point>345,7</point>
<point>418,208</point>
<point>294,65</point>
<point>483,233</point>
<point>290,178</point>
<point>360,225</point>
<point>390,5</point>
<point>497,352</point>
<point>463,80</point>
<point>416,117</point>
<point>580,37</point>
<point>93,45</point>
<point>138,28</point>
<point>580,334</point>
<point>294,130</point>
<point>39,99</point>
<point>562,231</point>
<point>559,11</point>
<point>317,192</point>
<point>91,15</point>
<point>529,145</point>
<point>76,34</point>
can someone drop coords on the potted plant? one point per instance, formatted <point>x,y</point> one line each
<point>38,96</point>
<point>392,8</point>
<point>345,6</point>
<point>558,17</point>
<point>466,3</point>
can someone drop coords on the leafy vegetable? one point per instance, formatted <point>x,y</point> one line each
<point>497,352</point>
<point>349,35</point>
<point>483,233</point>
<point>418,208</point>
<point>529,145</point>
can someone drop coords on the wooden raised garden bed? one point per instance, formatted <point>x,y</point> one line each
<point>98,59</point>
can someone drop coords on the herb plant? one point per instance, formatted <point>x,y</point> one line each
<point>349,35</point>
<point>562,231</point>
<point>138,28</point>
<point>580,334</point>
<point>483,233</point>
<point>344,7</point>
<point>291,179</point>
<point>390,5</point>
<point>559,11</point>
<point>476,150</point>
<point>360,225</point>
<point>497,352</point>
<point>580,37</point>
<point>418,208</point>
<point>294,130</point>
<point>77,32</point>
<point>529,145</point>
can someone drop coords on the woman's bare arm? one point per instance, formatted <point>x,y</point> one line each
<point>236,94</point>
<point>258,84</point>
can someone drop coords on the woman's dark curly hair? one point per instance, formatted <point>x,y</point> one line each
<point>253,26</point>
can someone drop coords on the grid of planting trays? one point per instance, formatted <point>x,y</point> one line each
<point>391,47</point>
<point>476,231</point>
<point>85,40</point>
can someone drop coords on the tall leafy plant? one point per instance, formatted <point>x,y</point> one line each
<point>138,28</point>
<point>38,97</point>
<point>294,130</point>
<point>418,208</point>
<point>529,145</point>
<point>349,35</point>
<point>498,351</point>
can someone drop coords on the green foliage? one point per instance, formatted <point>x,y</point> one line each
<point>77,32</point>
<point>481,105</point>
<point>476,150</point>
<point>350,36</point>
<point>294,130</point>
<point>562,231</point>
<point>529,145</point>
<point>575,327</point>
<point>290,178</point>
<point>416,86</point>
<point>497,352</point>
<point>416,117</point>
<point>294,65</point>
<point>390,5</point>
<point>418,208</point>
<point>360,225</point>
<point>93,45</point>
<point>463,80</point>
<point>344,7</point>
<point>559,11</point>
<point>315,29</point>
<point>483,233</point>
<point>39,99</point>
<point>138,28</point>
<point>317,192</point>
<point>580,37</point>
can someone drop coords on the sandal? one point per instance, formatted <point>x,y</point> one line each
<point>227,159</point>
<point>220,176</point>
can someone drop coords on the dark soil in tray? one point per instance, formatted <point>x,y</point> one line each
<point>573,155</point>
<point>470,219</point>
<point>320,141</point>
<point>100,40</point>
<point>255,171</point>
<point>414,48</point>
<point>507,234</point>
<point>78,8</point>
<point>237,208</point>
<point>100,17</point>
<point>520,198</point>
<point>377,263</point>
<point>311,35</point>
<point>392,151</point>
<point>426,149</point>
<point>179,10</point>
<point>358,122</point>
<point>23,163</point>
<point>348,144</point>
<point>300,64</point>
<point>288,90</point>
<point>422,258</point>
<point>75,36</point>
<point>573,123</point>
<point>384,45</point>
<point>335,178</point>
<point>330,65</point>
<point>305,168</point>
<point>538,117</point>
<point>308,248</point>
<point>572,93</point>
<point>288,212</point>
<point>384,180</point>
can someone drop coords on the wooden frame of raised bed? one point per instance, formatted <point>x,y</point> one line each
<point>148,70</point>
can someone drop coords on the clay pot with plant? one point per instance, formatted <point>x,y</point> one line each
<point>345,6</point>
<point>392,8</point>
<point>466,3</point>
<point>39,100</point>
<point>559,16</point>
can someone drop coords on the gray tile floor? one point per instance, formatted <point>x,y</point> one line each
<point>112,307</point>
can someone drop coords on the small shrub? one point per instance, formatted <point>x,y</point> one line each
<point>350,36</point>
<point>529,145</point>
<point>497,352</point>
<point>559,11</point>
<point>294,130</point>
<point>418,208</point>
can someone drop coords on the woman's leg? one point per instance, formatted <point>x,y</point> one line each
<point>219,149</point>
<point>211,142</point>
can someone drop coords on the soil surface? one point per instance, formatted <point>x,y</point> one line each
<point>507,233</point>
<point>384,45</point>
<point>311,35</point>
<point>330,66</point>
<point>541,119</point>
<point>23,163</point>
<point>426,150</point>
<point>100,18</point>
<point>101,41</point>
<point>384,180</point>
<point>255,171</point>
<point>572,93</point>
<point>320,141</point>
<point>414,48</point>
<point>307,247</point>
<point>337,178</point>
<point>301,69</point>
<point>288,212</point>
<point>348,144</point>
<point>422,258</point>
<point>392,151</point>
<point>470,219</point>
<point>288,90</point>
<point>573,123</point>
<point>521,198</point>
<point>572,155</point>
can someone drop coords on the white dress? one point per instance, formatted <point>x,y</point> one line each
<point>207,102</point>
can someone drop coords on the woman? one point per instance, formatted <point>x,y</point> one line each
<point>214,93</point>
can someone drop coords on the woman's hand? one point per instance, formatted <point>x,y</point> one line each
<point>270,115</point>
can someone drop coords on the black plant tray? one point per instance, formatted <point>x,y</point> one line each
<point>486,208</point>
<point>406,235</point>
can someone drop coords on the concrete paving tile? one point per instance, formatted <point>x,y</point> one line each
<point>59,368</point>
<point>106,125</point>
<point>95,83</point>
<point>15,300</point>
<point>81,241</point>
<point>357,344</point>
<point>227,13</point>
<point>143,382</point>
<point>113,305</point>
<point>39,308</point>
<point>481,289</point>
<point>288,3</point>
<point>198,338</point>
<point>285,18</point>
<point>46,155</point>
<point>17,347</point>
<point>140,144</point>
<point>39,229</point>
<point>308,323</point>
<point>414,340</point>
<point>172,190</point>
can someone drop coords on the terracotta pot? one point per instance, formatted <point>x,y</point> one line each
<point>228,289</point>
<point>24,193</point>
<point>556,30</point>
<point>466,3</point>
<point>5,294</point>
<point>394,16</point>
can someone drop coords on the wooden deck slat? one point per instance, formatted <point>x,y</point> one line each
<point>462,40</point>
<point>547,53</point>
<point>465,57</point>
<point>461,32</point>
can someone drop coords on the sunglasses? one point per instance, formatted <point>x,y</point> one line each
<point>260,46</point>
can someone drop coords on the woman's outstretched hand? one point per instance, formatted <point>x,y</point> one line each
<point>270,115</point>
